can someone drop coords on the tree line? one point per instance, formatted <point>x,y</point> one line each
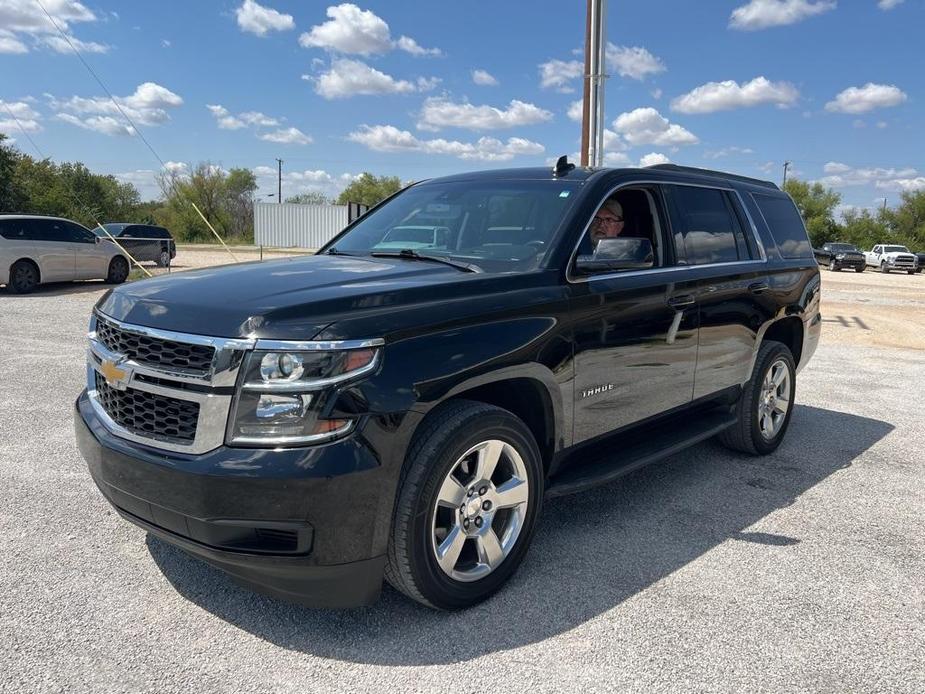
<point>903,224</point>
<point>225,198</point>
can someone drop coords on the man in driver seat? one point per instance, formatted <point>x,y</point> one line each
<point>608,222</point>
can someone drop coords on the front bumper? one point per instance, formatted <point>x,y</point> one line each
<point>850,262</point>
<point>305,525</point>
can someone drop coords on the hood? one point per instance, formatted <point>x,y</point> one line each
<point>291,298</point>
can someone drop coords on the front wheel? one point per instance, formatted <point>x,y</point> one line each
<point>469,498</point>
<point>833,266</point>
<point>859,269</point>
<point>764,408</point>
<point>884,269</point>
<point>911,272</point>
<point>118,270</point>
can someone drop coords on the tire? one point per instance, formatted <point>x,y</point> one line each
<point>118,270</point>
<point>884,269</point>
<point>859,269</point>
<point>434,460</point>
<point>163,259</point>
<point>24,277</point>
<point>911,272</point>
<point>746,434</point>
<point>833,266</point>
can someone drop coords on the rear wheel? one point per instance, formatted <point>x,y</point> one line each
<point>467,506</point>
<point>118,270</point>
<point>24,277</point>
<point>163,259</point>
<point>764,408</point>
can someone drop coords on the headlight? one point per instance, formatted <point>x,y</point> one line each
<point>839,256</point>
<point>282,394</point>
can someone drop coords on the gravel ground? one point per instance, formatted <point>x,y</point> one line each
<point>708,572</point>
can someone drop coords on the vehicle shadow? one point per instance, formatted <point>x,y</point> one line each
<point>591,552</point>
<point>60,289</point>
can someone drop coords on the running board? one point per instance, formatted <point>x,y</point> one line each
<point>620,459</point>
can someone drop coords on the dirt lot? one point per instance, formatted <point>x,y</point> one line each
<point>193,257</point>
<point>874,309</point>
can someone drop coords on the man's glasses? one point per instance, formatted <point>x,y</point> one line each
<point>608,220</point>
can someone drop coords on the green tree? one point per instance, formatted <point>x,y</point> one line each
<point>12,199</point>
<point>240,186</point>
<point>864,229</point>
<point>369,189</point>
<point>313,197</point>
<point>906,222</point>
<point>817,205</point>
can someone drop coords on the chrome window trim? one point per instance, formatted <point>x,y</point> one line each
<point>571,279</point>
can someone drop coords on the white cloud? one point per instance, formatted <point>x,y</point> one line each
<point>177,168</point>
<point>646,126</point>
<point>654,158</point>
<point>19,18</point>
<point>483,78</point>
<point>426,84</point>
<point>889,4</point>
<point>287,136</point>
<point>58,44</point>
<point>362,32</point>
<point>840,175</point>
<point>226,121</point>
<point>388,138</point>
<point>867,98</point>
<point>107,125</point>
<point>557,74</point>
<point>729,94</point>
<point>10,44</point>
<point>148,105</point>
<point>656,93</point>
<point>16,116</point>
<point>259,119</point>
<point>347,78</point>
<point>309,180</point>
<point>727,151</point>
<point>574,110</point>
<point>409,45</point>
<point>440,112</point>
<point>257,19</point>
<point>632,61</point>
<point>762,14</point>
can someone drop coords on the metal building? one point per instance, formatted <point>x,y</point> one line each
<point>297,226</point>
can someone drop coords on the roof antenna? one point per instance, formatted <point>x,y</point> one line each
<point>562,166</point>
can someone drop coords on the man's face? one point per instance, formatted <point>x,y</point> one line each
<point>606,225</point>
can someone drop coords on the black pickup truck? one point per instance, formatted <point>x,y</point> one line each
<point>314,425</point>
<point>838,256</point>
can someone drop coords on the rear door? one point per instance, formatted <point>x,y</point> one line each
<point>727,277</point>
<point>56,257</point>
<point>635,332</point>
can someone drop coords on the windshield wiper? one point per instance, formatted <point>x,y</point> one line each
<point>410,254</point>
<point>333,251</point>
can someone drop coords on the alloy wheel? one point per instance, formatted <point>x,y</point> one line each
<point>480,510</point>
<point>775,399</point>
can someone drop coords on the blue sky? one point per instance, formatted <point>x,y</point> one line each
<point>836,87</point>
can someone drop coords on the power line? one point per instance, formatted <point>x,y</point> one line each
<point>135,129</point>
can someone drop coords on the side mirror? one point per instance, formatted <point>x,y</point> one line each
<point>617,254</point>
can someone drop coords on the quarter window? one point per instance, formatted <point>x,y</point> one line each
<point>785,224</point>
<point>708,225</point>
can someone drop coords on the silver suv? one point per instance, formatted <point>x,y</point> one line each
<point>36,249</point>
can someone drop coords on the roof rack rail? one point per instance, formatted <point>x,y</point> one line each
<point>711,172</point>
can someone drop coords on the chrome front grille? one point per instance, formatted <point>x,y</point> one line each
<point>149,414</point>
<point>161,388</point>
<point>159,352</point>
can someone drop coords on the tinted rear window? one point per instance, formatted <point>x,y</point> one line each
<point>710,227</point>
<point>785,225</point>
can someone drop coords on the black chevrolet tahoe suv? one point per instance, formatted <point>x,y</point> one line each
<point>400,404</point>
<point>838,256</point>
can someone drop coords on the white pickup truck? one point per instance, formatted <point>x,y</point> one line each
<point>890,257</point>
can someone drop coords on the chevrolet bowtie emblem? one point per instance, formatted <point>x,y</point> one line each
<point>116,376</point>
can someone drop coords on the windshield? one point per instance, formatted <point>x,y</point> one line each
<point>500,226</point>
<point>113,229</point>
<point>842,247</point>
<point>895,249</point>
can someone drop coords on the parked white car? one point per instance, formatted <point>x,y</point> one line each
<point>890,257</point>
<point>35,250</point>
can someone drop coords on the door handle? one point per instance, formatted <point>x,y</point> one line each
<point>681,301</point>
<point>758,287</point>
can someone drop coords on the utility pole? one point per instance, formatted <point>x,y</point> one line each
<point>592,108</point>
<point>786,166</point>
<point>279,182</point>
